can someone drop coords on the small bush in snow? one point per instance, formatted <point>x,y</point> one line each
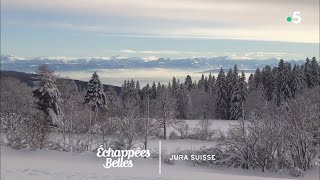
<point>159,133</point>
<point>296,172</point>
<point>201,132</point>
<point>37,127</point>
<point>14,128</point>
<point>118,144</point>
<point>183,128</point>
<point>173,135</point>
<point>166,159</point>
<point>25,131</point>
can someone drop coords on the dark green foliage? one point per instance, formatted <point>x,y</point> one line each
<point>188,83</point>
<point>47,94</point>
<point>267,81</point>
<point>95,97</point>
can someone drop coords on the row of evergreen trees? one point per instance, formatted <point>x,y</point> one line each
<point>229,90</point>
<point>283,82</point>
<point>175,93</point>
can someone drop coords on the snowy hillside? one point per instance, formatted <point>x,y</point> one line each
<point>52,165</point>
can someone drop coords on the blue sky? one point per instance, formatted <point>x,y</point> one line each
<point>150,29</point>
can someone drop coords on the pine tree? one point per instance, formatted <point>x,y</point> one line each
<point>201,83</point>
<point>282,89</point>
<point>235,104</point>
<point>288,76</point>
<point>311,72</point>
<point>211,84</point>
<point>158,87</point>
<point>206,86</point>
<point>130,97</point>
<point>48,96</point>
<point>188,83</point>
<point>231,80</point>
<point>138,86</point>
<point>235,85</point>
<point>96,99</point>
<point>175,87</point>
<point>222,101</point>
<point>243,88</point>
<point>146,92</point>
<point>315,73</point>
<point>267,82</point>
<point>154,92</point>
<point>183,102</point>
<point>132,85</point>
<point>238,98</point>
<point>251,82</point>
<point>95,96</point>
<point>235,71</point>
<point>257,78</point>
<point>296,81</point>
<point>169,87</point>
<point>308,74</point>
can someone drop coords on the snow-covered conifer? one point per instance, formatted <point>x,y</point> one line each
<point>47,94</point>
<point>282,89</point>
<point>267,83</point>
<point>211,84</point>
<point>95,96</point>
<point>222,102</point>
<point>188,83</point>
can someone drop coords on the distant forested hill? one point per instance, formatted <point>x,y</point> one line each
<point>28,78</point>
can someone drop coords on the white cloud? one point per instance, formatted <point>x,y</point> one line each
<point>229,19</point>
<point>234,11</point>
<point>150,58</point>
<point>128,51</point>
<point>287,33</point>
<point>263,55</point>
<point>154,53</point>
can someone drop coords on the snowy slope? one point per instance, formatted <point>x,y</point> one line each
<point>41,164</point>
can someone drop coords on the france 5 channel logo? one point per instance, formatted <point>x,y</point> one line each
<point>295,18</point>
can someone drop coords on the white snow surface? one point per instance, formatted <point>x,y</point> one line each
<point>46,164</point>
<point>49,164</point>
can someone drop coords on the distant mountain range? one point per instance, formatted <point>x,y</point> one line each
<point>9,62</point>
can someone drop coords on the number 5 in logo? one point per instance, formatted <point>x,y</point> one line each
<point>296,17</point>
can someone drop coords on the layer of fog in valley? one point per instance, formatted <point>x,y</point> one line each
<point>118,76</point>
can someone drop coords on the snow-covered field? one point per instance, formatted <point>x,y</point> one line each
<point>48,164</point>
<point>172,146</point>
<point>222,125</point>
<point>42,164</point>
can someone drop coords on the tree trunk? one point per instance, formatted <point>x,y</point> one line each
<point>164,129</point>
<point>91,134</point>
<point>90,137</point>
<point>146,140</point>
<point>103,136</point>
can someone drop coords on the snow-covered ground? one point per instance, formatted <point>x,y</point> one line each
<point>42,164</point>
<point>47,164</point>
<point>173,146</point>
<point>222,125</point>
